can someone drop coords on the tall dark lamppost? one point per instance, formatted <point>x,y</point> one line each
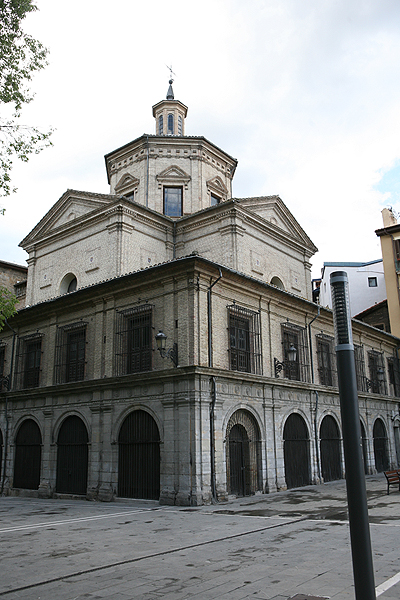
<point>363,569</point>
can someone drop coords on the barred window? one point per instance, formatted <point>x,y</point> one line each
<point>360,368</point>
<point>28,361</point>
<point>326,360</point>
<point>70,358</point>
<point>298,369</point>
<point>134,340</point>
<point>377,381</point>
<point>244,340</point>
<point>394,375</point>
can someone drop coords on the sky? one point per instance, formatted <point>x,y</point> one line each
<point>306,95</point>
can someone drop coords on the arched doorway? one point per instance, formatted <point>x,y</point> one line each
<point>380,446</point>
<point>331,463</point>
<point>28,456</point>
<point>72,457</point>
<point>296,451</point>
<point>243,449</point>
<point>139,457</point>
<point>364,446</point>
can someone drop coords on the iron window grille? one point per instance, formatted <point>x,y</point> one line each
<point>298,369</point>
<point>326,361</point>
<point>360,368</point>
<point>28,361</point>
<point>70,355</point>
<point>394,374</point>
<point>244,340</point>
<point>134,340</point>
<point>377,383</point>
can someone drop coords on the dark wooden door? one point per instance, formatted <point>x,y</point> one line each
<point>239,461</point>
<point>139,457</point>
<point>331,462</point>
<point>296,452</point>
<point>28,455</point>
<point>380,446</point>
<point>72,457</point>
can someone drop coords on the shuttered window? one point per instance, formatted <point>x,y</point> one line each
<point>299,369</point>
<point>244,340</point>
<point>134,340</point>
<point>70,356</point>
<point>28,361</point>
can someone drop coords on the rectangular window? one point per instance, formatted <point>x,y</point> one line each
<point>372,282</point>
<point>244,340</point>
<point>326,360</point>
<point>293,335</point>
<point>134,340</point>
<point>215,200</point>
<point>377,376</point>
<point>360,368</point>
<point>70,355</point>
<point>394,375</point>
<point>28,361</point>
<point>173,206</point>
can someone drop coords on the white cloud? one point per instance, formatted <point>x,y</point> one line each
<point>304,94</point>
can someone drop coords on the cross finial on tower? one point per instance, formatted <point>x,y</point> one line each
<point>170,93</point>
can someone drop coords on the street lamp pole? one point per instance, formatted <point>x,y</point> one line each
<point>363,569</point>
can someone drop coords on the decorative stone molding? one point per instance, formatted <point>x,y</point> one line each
<point>173,176</point>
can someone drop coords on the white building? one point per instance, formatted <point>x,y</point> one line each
<point>366,284</point>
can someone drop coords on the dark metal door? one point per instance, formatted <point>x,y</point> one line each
<point>72,457</point>
<point>380,446</point>
<point>28,455</point>
<point>239,461</point>
<point>296,452</point>
<point>139,457</point>
<point>331,462</point>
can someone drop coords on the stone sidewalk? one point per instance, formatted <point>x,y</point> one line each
<point>284,545</point>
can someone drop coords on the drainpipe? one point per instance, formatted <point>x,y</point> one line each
<point>209,316</point>
<point>9,385</point>
<point>316,393</point>
<point>213,391</point>
<point>174,240</point>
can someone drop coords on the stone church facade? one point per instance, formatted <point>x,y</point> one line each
<point>91,407</point>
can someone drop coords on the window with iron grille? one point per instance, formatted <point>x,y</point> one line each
<point>244,340</point>
<point>377,372</point>
<point>394,374</point>
<point>360,368</point>
<point>326,360</point>
<point>134,340</point>
<point>70,357</point>
<point>28,361</point>
<point>299,368</point>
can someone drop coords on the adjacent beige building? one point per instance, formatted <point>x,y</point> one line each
<point>390,243</point>
<point>96,409</point>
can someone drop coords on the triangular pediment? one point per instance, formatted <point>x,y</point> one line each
<point>173,173</point>
<point>273,210</point>
<point>71,208</point>
<point>217,185</point>
<point>126,183</point>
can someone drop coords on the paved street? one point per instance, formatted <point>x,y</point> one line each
<point>270,547</point>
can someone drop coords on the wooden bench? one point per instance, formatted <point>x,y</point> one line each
<point>392,478</point>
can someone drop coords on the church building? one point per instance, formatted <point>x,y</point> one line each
<point>170,349</point>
